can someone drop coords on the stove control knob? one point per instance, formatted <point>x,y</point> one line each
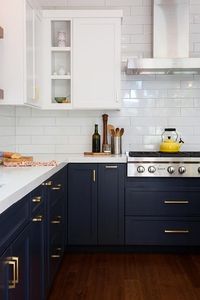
<point>182,170</point>
<point>140,169</point>
<point>170,170</point>
<point>151,169</point>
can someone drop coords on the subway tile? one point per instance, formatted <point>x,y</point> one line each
<point>126,85</point>
<point>132,29</point>
<point>35,121</point>
<point>50,140</point>
<point>85,3</point>
<point>7,131</point>
<point>123,3</point>
<point>142,20</point>
<point>23,111</point>
<point>168,84</point>
<point>62,130</point>
<point>8,111</point>
<point>23,139</point>
<point>141,11</point>
<point>74,149</point>
<point>27,149</point>
<point>7,121</point>
<point>24,130</point>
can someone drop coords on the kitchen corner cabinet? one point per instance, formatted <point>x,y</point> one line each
<point>32,245</point>
<point>81,58</point>
<point>95,204</point>
<point>17,51</point>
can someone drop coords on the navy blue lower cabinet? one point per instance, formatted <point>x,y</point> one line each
<point>111,204</point>
<point>82,204</point>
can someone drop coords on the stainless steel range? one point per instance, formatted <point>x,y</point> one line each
<point>157,164</point>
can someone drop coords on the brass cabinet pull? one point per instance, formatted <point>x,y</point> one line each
<point>37,199</point>
<point>111,167</point>
<point>12,282</point>
<point>55,256</point>
<point>14,262</point>
<point>94,175</point>
<point>176,231</point>
<point>56,188</point>
<point>48,183</point>
<point>37,219</point>
<point>176,202</point>
<point>57,220</point>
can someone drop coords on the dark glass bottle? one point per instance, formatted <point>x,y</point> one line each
<point>96,140</point>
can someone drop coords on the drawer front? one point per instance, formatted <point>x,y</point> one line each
<point>162,232</point>
<point>37,198</point>
<point>170,203</point>
<point>56,219</point>
<point>56,254</point>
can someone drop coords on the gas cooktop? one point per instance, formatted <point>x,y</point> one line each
<point>160,164</point>
<point>163,154</point>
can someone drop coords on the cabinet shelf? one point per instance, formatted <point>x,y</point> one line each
<point>1,33</point>
<point>60,49</point>
<point>55,77</point>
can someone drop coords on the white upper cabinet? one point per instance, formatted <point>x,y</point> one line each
<point>96,63</point>
<point>81,59</point>
<point>16,50</point>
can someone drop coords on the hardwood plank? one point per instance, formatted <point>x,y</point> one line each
<point>111,276</point>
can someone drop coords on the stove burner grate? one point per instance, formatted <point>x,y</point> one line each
<point>163,154</point>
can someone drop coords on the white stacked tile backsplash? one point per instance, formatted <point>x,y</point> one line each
<point>149,102</point>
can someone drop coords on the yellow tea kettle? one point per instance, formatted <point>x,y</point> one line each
<point>169,141</point>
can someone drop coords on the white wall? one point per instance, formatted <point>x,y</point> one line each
<point>150,103</point>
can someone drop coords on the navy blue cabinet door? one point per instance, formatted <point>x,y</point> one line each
<point>6,275</point>
<point>20,257</point>
<point>37,252</point>
<point>82,204</point>
<point>111,204</point>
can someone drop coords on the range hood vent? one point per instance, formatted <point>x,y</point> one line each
<point>170,42</point>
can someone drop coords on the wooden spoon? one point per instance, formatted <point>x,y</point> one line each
<point>117,131</point>
<point>110,127</point>
<point>121,131</point>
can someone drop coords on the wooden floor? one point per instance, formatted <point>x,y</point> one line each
<point>128,277</point>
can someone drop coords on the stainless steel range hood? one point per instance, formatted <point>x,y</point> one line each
<point>170,42</point>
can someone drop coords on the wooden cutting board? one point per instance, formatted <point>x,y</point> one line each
<point>96,153</point>
<point>23,158</point>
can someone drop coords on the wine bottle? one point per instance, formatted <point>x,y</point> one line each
<point>96,140</point>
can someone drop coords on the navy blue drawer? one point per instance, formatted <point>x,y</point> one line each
<point>144,231</point>
<point>149,203</point>
<point>37,198</point>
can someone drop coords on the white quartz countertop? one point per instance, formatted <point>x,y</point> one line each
<point>81,158</point>
<point>15,183</point>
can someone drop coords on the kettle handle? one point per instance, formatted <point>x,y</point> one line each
<point>169,129</point>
